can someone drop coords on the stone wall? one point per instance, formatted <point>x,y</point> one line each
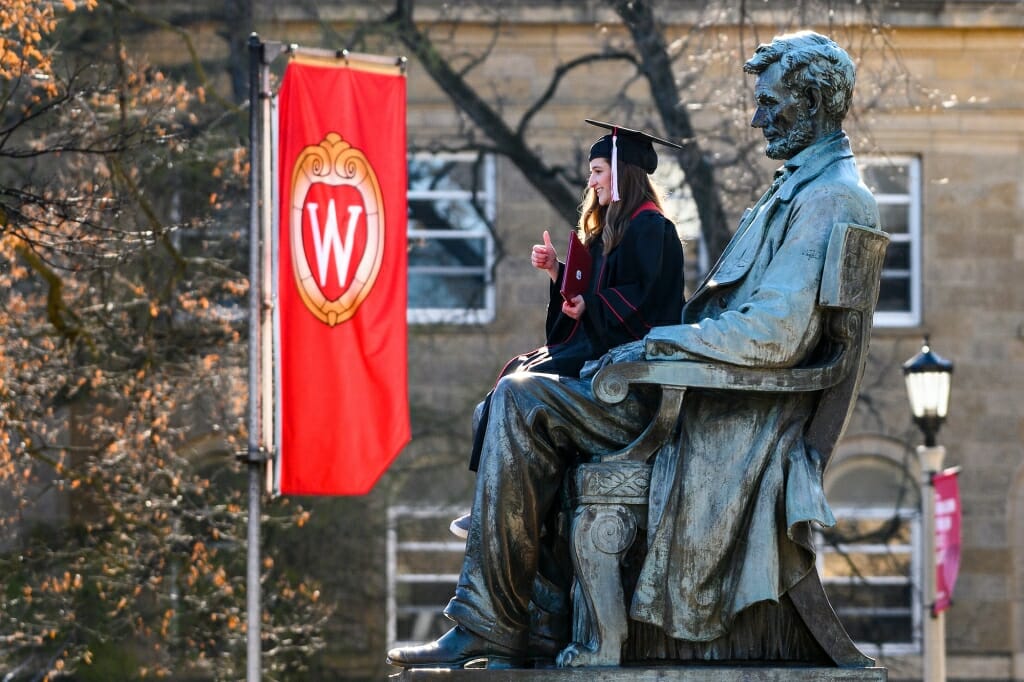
<point>970,146</point>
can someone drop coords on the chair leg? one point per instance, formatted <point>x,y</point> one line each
<point>601,534</point>
<point>811,602</point>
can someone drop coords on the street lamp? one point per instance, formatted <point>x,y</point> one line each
<point>928,378</point>
<point>928,382</point>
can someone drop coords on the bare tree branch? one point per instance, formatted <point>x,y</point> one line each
<point>510,143</point>
<point>560,72</point>
<point>700,176</point>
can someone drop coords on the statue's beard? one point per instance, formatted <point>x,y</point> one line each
<point>798,137</point>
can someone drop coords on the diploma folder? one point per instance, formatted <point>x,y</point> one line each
<point>576,278</point>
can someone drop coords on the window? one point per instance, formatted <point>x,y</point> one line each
<point>896,183</point>
<point>451,238</point>
<point>870,562</point>
<point>423,565</point>
<point>681,209</point>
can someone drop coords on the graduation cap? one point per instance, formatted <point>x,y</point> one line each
<point>634,147</point>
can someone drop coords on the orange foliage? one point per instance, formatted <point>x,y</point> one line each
<point>122,358</point>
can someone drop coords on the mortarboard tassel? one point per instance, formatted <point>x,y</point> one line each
<point>615,165</point>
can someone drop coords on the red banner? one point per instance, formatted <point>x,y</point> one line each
<point>342,276</point>
<point>947,537</point>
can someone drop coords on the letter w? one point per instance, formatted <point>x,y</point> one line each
<point>330,242</point>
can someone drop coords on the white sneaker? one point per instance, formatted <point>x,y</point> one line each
<point>460,526</point>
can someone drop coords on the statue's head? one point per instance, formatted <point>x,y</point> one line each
<point>803,90</point>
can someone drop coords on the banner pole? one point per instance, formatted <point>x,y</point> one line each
<point>933,624</point>
<point>253,454</point>
<point>267,403</point>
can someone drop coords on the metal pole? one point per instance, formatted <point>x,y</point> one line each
<point>934,624</point>
<point>267,434</point>
<point>252,578</point>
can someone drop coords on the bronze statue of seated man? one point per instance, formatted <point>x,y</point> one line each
<point>739,475</point>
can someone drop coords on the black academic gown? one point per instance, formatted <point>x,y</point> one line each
<point>637,286</point>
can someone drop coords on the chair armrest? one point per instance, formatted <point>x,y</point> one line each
<point>611,384</point>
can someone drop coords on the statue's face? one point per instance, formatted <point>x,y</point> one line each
<point>782,115</point>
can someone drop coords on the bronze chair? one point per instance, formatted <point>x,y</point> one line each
<point>609,496</point>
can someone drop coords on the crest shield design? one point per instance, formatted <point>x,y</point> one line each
<point>335,163</point>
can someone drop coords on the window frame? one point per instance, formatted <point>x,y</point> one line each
<point>822,549</point>
<point>913,199</point>
<point>486,196</point>
<point>393,546</point>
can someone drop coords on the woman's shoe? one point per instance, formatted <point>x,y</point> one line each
<point>460,526</point>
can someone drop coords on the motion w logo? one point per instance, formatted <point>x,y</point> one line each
<point>328,242</point>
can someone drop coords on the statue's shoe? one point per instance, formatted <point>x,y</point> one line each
<point>455,649</point>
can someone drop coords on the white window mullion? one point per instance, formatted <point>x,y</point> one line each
<point>419,537</point>
<point>896,183</point>
<point>864,582</point>
<point>454,288</point>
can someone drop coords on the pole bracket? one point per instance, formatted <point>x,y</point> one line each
<point>254,455</point>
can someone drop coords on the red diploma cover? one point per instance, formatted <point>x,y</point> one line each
<point>576,278</point>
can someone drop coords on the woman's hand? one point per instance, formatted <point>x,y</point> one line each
<point>575,307</point>
<point>544,257</point>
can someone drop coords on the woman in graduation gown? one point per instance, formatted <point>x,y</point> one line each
<point>636,269</point>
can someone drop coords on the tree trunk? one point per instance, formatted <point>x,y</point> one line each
<point>657,68</point>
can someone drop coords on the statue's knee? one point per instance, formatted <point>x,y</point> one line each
<point>510,387</point>
<point>517,396</point>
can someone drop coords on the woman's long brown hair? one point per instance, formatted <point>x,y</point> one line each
<point>635,188</point>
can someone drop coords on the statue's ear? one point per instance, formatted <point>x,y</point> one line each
<point>813,95</point>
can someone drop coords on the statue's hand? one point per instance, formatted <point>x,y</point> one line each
<point>660,349</point>
<point>627,352</point>
<point>664,343</point>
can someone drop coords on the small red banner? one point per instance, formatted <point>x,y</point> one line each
<point>342,277</point>
<point>947,537</point>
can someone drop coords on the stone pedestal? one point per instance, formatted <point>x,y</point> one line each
<point>659,674</point>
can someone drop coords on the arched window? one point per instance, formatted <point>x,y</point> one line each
<point>870,562</point>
